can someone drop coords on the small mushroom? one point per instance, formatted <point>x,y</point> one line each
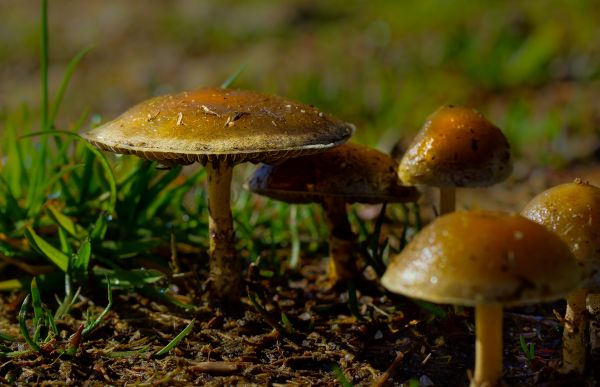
<point>485,260</point>
<point>349,173</point>
<point>456,147</point>
<point>572,211</point>
<point>220,128</point>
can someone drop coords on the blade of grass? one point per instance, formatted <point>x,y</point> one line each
<point>295,254</point>
<point>65,222</point>
<point>353,301</point>
<point>339,374</point>
<point>38,311</point>
<point>167,348</point>
<point>44,63</point>
<point>23,324</point>
<point>101,158</point>
<point>5,337</point>
<point>229,81</point>
<point>101,316</point>
<point>56,256</point>
<point>65,81</point>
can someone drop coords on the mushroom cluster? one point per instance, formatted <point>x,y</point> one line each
<point>475,258</point>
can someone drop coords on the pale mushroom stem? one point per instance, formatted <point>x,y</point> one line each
<point>447,200</point>
<point>342,241</point>
<point>574,337</point>
<point>488,345</point>
<point>225,267</point>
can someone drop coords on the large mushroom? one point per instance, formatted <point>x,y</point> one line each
<point>220,128</point>
<point>456,147</point>
<point>485,260</point>
<point>572,211</point>
<point>347,174</point>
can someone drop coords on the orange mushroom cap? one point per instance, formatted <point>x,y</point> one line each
<point>220,124</point>
<point>476,257</point>
<point>572,211</point>
<point>456,147</point>
<point>354,173</point>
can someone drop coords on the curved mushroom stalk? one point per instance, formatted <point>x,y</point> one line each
<point>225,266</point>
<point>574,335</point>
<point>342,241</point>
<point>488,345</point>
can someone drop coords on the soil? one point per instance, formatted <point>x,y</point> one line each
<point>394,334</point>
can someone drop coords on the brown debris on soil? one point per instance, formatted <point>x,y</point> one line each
<point>394,334</point>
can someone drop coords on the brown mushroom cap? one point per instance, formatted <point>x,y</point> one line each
<point>477,257</point>
<point>457,147</point>
<point>572,211</point>
<point>213,123</point>
<point>355,173</point>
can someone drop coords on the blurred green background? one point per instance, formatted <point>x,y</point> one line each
<point>531,66</point>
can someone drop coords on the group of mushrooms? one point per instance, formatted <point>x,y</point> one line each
<point>475,258</point>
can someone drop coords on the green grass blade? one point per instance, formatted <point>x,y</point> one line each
<point>436,310</point>
<point>44,64</point>
<point>81,261</point>
<point>51,323</point>
<point>65,81</point>
<point>86,177</point>
<point>101,316</point>
<point>101,158</point>
<point>14,162</point>
<point>13,209</point>
<point>229,81</point>
<point>38,311</point>
<point>339,374</point>
<point>56,256</point>
<point>167,348</point>
<point>65,222</point>
<point>65,305</point>
<point>23,324</point>
<point>5,337</point>
<point>353,301</point>
<point>65,245</point>
<point>295,253</point>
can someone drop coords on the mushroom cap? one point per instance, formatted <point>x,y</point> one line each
<point>355,173</point>
<point>457,147</point>
<point>478,257</point>
<point>572,211</point>
<point>222,124</point>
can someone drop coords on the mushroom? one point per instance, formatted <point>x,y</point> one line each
<point>349,173</point>
<point>220,128</point>
<point>572,211</point>
<point>485,260</point>
<point>456,147</point>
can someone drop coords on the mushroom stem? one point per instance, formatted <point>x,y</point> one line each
<point>574,337</point>
<point>593,305</point>
<point>225,267</point>
<point>447,200</point>
<point>342,241</point>
<point>488,345</point>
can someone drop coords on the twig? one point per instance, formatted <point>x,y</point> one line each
<point>218,367</point>
<point>388,373</point>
